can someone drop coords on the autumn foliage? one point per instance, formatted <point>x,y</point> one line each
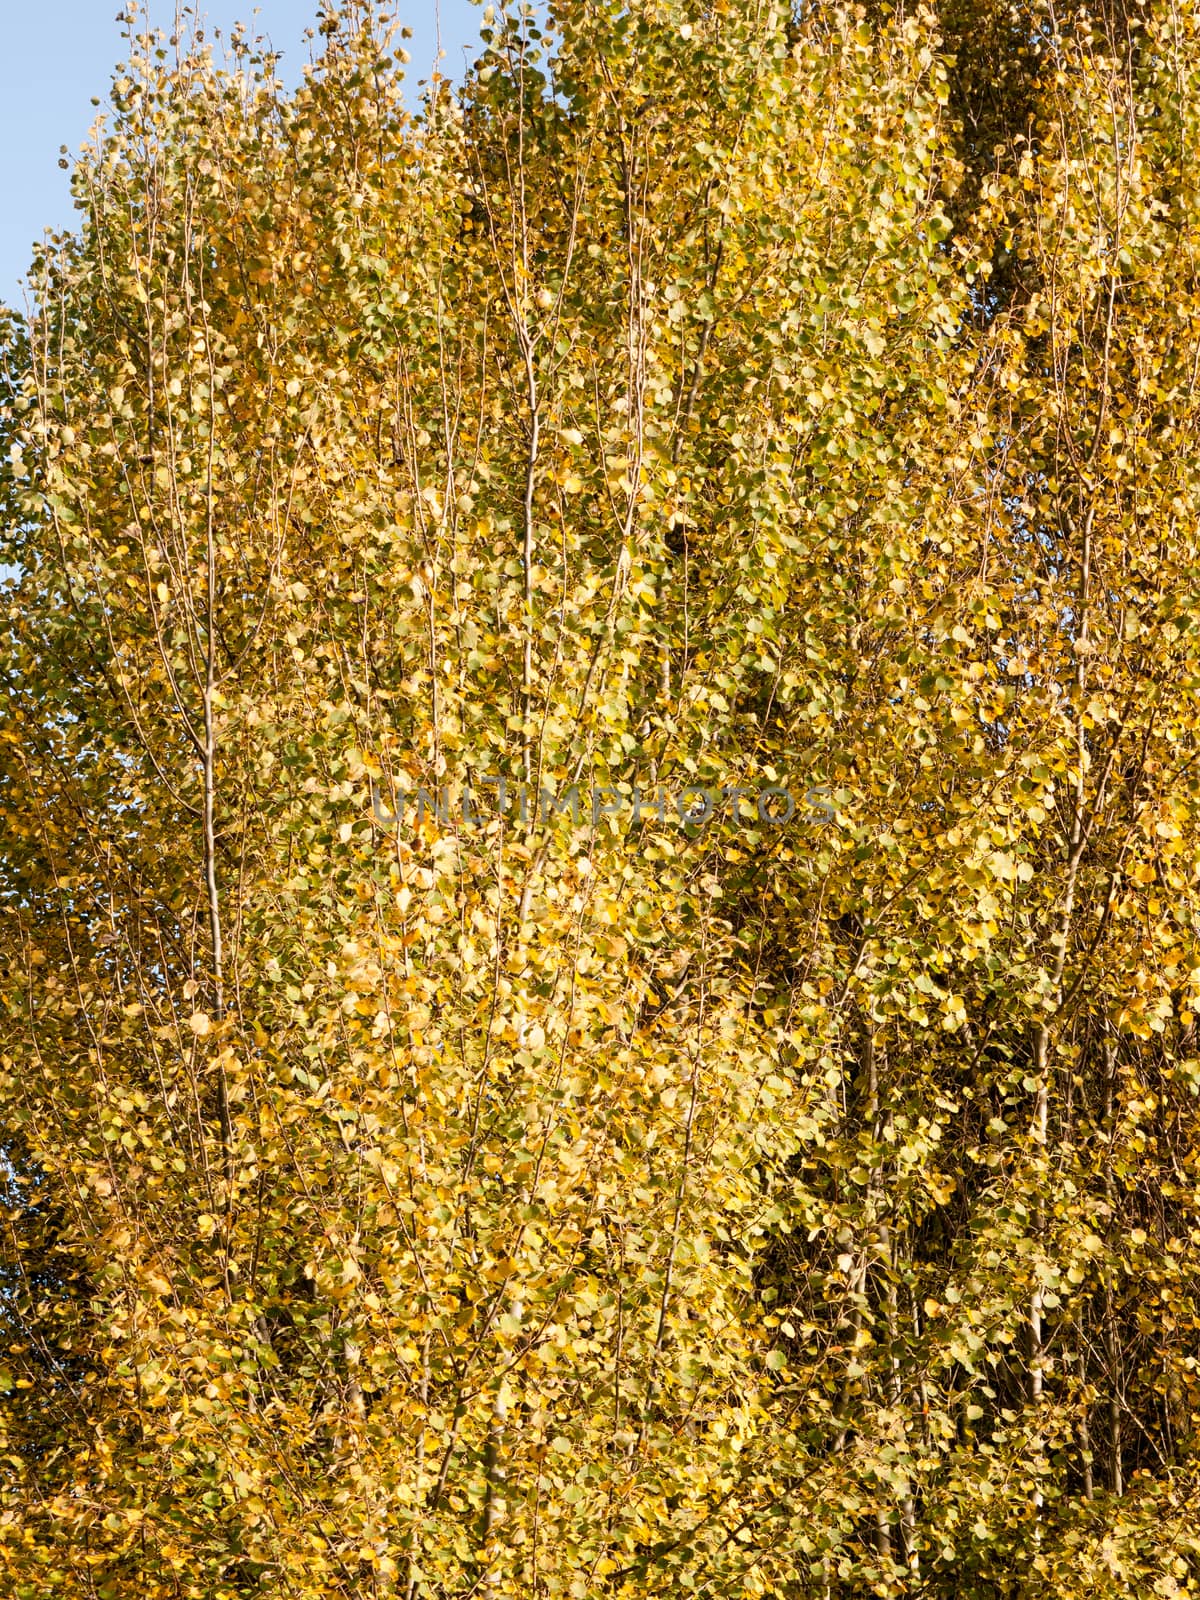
<point>521,1200</point>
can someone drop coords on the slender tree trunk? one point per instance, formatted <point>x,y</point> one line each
<point>1112,1347</point>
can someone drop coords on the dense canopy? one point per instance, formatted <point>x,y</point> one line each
<point>600,799</point>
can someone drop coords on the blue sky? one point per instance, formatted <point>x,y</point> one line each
<point>56,54</point>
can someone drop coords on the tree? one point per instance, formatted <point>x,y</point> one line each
<point>467,1135</point>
